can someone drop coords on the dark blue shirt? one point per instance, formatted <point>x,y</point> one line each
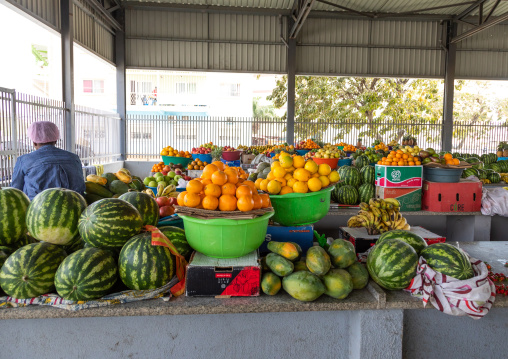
<point>48,167</point>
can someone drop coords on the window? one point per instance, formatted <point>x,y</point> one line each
<point>230,89</point>
<point>93,86</point>
<point>186,88</point>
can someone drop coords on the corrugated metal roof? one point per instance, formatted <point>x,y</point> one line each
<point>46,11</point>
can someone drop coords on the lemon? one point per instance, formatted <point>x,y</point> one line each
<point>334,176</point>
<point>324,181</point>
<point>270,176</point>
<point>288,176</point>
<point>282,181</point>
<point>311,166</point>
<point>315,175</point>
<point>301,174</point>
<point>324,169</point>
<point>275,164</point>
<point>286,161</point>
<point>314,184</point>
<point>274,187</point>
<point>285,189</point>
<point>298,162</point>
<point>278,172</point>
<point>291,182</point>
<point>290,169</point>
<point>300,187</point>
<point>264,185</point>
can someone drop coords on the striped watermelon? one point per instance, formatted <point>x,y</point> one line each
<point>342,170</point>
<point>494,177</point>
<point>143,266</point>
<point>13,207</point>
<point>109,222</point>
<point>368,174</point>
<point>351,176</point>
<point>366,191</point>
<point>30,271</point>
<point>448,260</point>
<point>392,264</point>
<point>86,274</point>
<point>413,239</point>
<point>346,195</point>
<point>53,215</point>
<point>177,237</point>
<point>470,172</point>
<point>146,206</point>
<point>362,161</point>
<point>75,245</point>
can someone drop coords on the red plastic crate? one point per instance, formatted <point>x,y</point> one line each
<point>464,196</point>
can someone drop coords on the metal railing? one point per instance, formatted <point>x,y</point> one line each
<point>474,137</point>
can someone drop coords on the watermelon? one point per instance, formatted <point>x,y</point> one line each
<point>351,176</point>
<point>146,206</point>
<point>53,215</point>
<point>368,174</point>
<point>413,239</point>
<point>448,260</point>
<point>392,264</point>
<point>30,271</point>
<point>13,208</point>
<point>346,195</point>
<point>482,174</point>
<point>478,165</point>
<point>86,274</point>
<point>177,237</point>
<point>342,170</point>
<point>110,222</point>
<point>143,266</point>
<point>362,161</point>
<point>470,172</point>
<point>75,245</point>
<point>494,177</point>
<point>366,191</point>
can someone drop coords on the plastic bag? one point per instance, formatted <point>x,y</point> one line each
<point>495,201</point>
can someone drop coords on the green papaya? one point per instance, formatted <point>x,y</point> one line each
<point>317,260</point>
<point>338,283</point>
<point>94,188</point>
<point>118,187</point>
<point>299,266</point>
<point>285,249</point>
<point>303,286</point>
<point>299,249</point>
<point>92,197</point>
<point>262,262</point>
<point>110,177</point>
<point>342,253</point>
<point>136,185</point>
<point>360,275</point>
<point>270,284</point>
<point>279,265</point>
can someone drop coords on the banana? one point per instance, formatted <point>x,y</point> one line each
<point>407,227</point>
<point>401,223</point>
<point>365,220</point>
<point>375,211</point>
<point>389,205</point>
<point>364,206</point>
<point>384,215</point>
<point>149,192</point>
<point>369,215</point>
<point>354,222</point>
<point>167,190</point>
<point>374,202</point>
<point>393,201</point>
<point>382,204</point>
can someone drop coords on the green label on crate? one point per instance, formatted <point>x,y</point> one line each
<point>399,176</point>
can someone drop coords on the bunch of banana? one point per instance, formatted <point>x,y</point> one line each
<point>379,216</point>
<point>504,177</point>
<point>168,191</point>
<point>485,181</point>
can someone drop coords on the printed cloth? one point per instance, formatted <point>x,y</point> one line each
<point>473,297</point>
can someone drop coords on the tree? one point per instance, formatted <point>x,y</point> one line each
<point>262,111</point>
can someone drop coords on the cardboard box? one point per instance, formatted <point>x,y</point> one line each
<point>209,277</point>
<point>399,176</point>
<point>363,241</point>
<point>231,163</point>
<point>410,198</point>
<point>464,196</point>
<point>247,159</point>
<point>302,235</point>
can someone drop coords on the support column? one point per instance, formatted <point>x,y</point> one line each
<point>449,87</point>
<point>291,68</point>
<point>67,35</point>
<point>121,95</point>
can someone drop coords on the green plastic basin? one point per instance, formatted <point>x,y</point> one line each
<point>300,209</point>
<point>184,161</point>
<point>226,238</point>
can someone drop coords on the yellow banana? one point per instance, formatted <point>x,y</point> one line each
<point>364,206</point>
<point>401,223</point>
<point>375,211</point>
<point>149,192</point>
<point>365,220</point>
<point>369,215</point>
<point>407,227</point>
<point>374,202</point>
<point>160,188</point>
<point>393,201</point>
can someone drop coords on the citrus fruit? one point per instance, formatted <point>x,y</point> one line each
<point>243,190</point>
<point>311,166</point>
<point>265,200</point>
<point>301,175</point>
<point>279,172</point>
<point>275,164</point>
<point>334,176</point>
<point>285,190</point>
<point>258,202</point>
<point>314,184</point>
<point>282,181</point>
<point>191,200</point>
<point>315,175</point>
<point>298,162</point>
<point>180,198</point>
<point>286,161</point>
<point>324,169</point>
<point>251,185</point>
<point>232,175</point>
<point>212,190</point>
<point>194,186</point>
<point>264,185</point>
<point>258,183</point>
<point>206,181</point>
<point>288,176</point>
<point>325,181</point>
<point>300,187</point>
<point>219,165</point>
<point>210,202</point>
<point>270,176</point>
<point>274,187</point>
<point>228,188</point>
<point>245,203</point>
<point>291,182</point>
<point>219,178</point>
<point>209,170</point>
<point>227,203</point>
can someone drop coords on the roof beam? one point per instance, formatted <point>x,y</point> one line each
<point>482,27</point>
<point>413,12</point>
<point>346,9</point>
<point>492,10</point>
<point>470,9</point>
<point>303,12</point>
<point>112,21</point>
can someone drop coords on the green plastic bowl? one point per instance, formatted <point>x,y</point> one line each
<point>300,209</point>
<point>176,160</point>
<point>226,238</point>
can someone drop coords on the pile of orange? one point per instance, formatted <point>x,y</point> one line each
<point>170,151</point>
<point>381,146</point>
<point>222,188</point>
<point>349,148</point>
<point>450,160</point>
<point>158,167</point>
<point>309,145</point>
<point>196,165</point>
<point>399,158</point>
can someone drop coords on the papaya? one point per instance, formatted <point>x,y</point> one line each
<point>270,284</point>
<point>262,262</point>
<point>118,187</point>
<point>125,170</point>
<point>94,188</point>
<point>299,249</point>
<point>136,185</point>
<point>110,177</point>
<point>360,275</point>
<point>116,195</point>
<point>338,283</point>
<point>317,260</point>
<point>92,197</point>
<point>285,249</point>
<point>342,253</point>
<point>124,177</point>
<point>97,179</point>
<point>299,266</point>
<point>279,265</point>
<point>303,286</point>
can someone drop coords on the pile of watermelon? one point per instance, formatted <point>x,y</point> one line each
<point>81,251</point>
<point>485,167</point>
<point>356,184</point>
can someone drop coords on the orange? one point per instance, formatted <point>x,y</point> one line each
<point>324,169</point>
<point>298,162</point>
<point>251,185</point>
<point>286,161</point>
<point>258,183</point>
<point>285,189</point>
<point>401,163</point>
<point>270,176</point>
<point>325,181</point>
<point>314,184</point>
<point>275,164</point>
<point>192,200</point>
<point>315,175</point>
<point>398,155</point>
<point>418,163</point>
<point>301,174</point>
<point>278,172</point>
<point>229,188</point>
<point>301,187</point>
<point>180,198</point>
<point>311,166</point>
<point>258,202</point>
<point>227,203</point>
<point>456,161</point>
<point>265,200</point>
<point>212,190</point>
<point>206,181</point>
<point>209,170</point>
<point>243,190</point>
<point>210,202</point>
<point>264,184</point>
<point>274,187</point>
<point>194,186</point>
<point>448,156</point>
<point>334,176</point>
<point>219,165</point>
<point>288,176</point>
<point>405,156</point>
<point>282,181</point>
<point>245,203</point>
<point>219,178</point>
<point>291,182</point>
<point>232,175</point>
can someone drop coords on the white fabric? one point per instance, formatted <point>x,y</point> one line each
<point>495,201</point>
